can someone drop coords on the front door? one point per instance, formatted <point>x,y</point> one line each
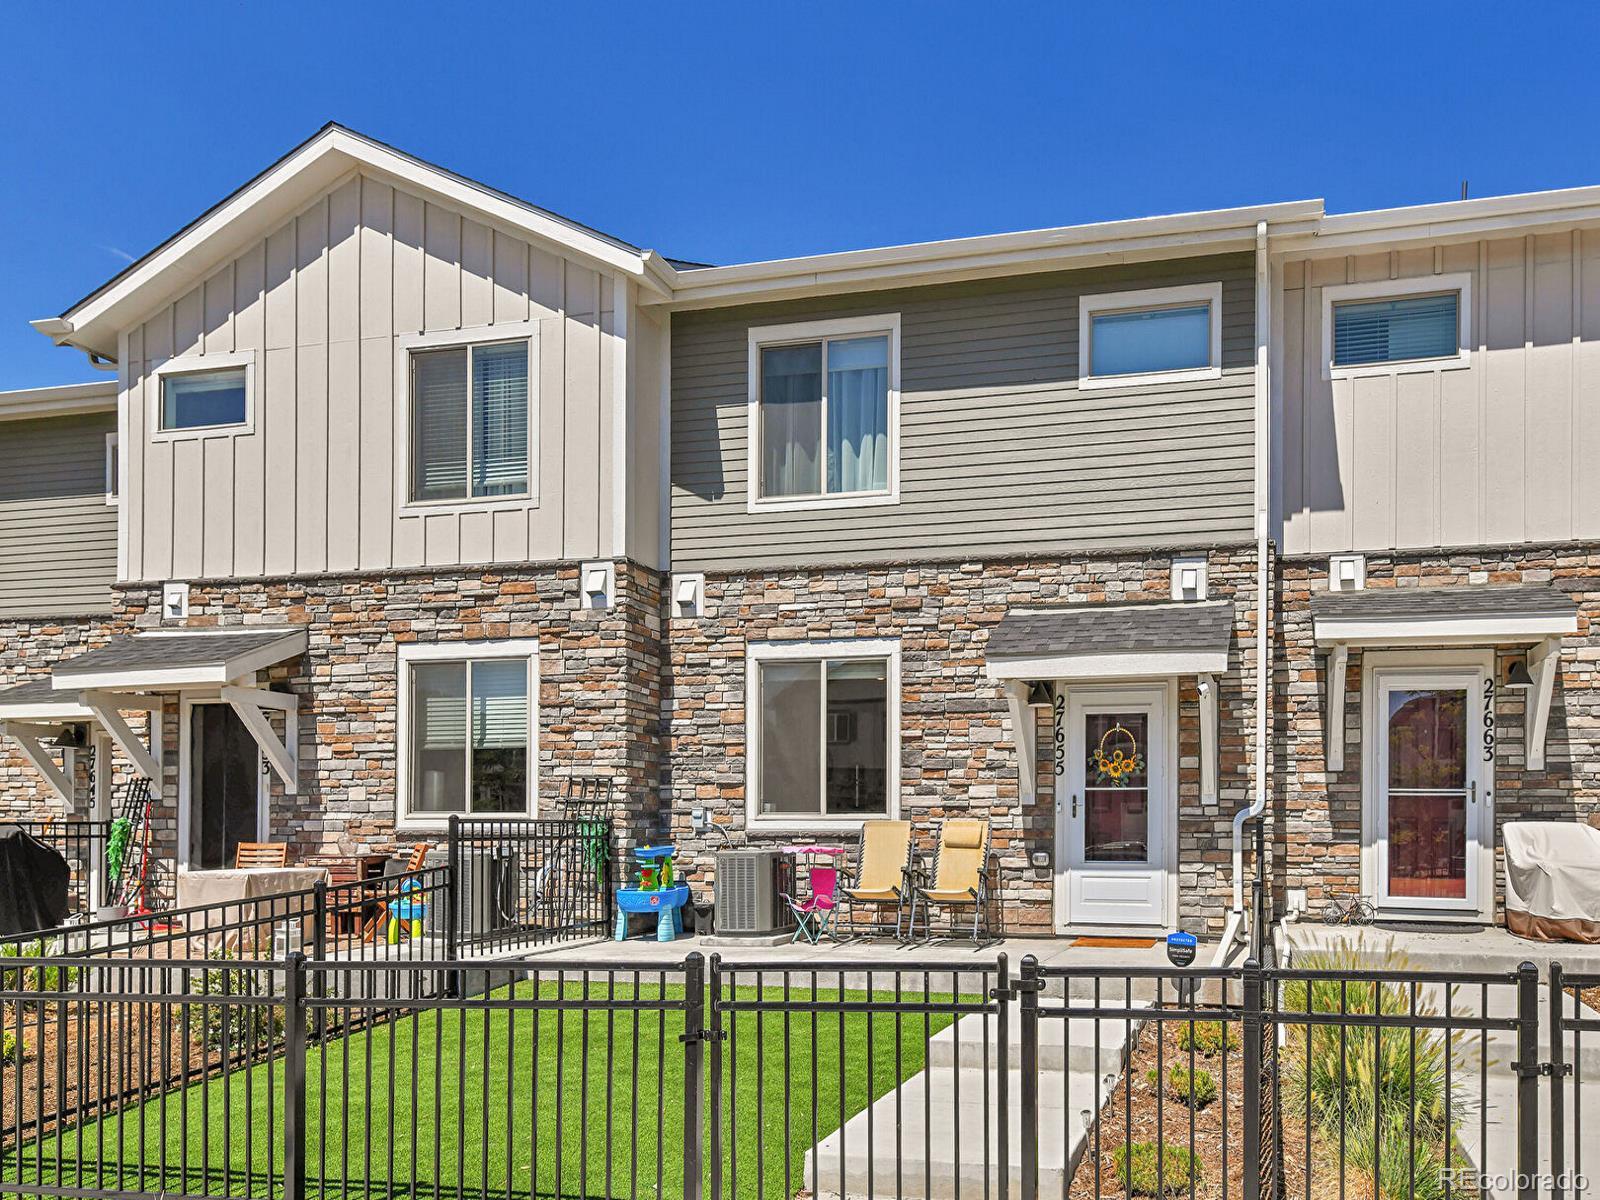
<point>225,786</point>
<point>1114,805</point>
<point>1431,788</point>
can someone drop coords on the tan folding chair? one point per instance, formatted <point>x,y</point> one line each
<point>879,879</point>
<point>960,876</point>
<point>380,909</point>
<point>261,854</point>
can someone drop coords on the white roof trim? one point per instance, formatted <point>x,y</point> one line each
<point>990,254</point>
<point>292,642</point>
<point>94,323</point>
<point>48,712</point>
<point>98,395</point>
<point>1128,664</point>
<point>1435,630</point>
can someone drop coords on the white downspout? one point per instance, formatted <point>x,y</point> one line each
<point>1238,916</point>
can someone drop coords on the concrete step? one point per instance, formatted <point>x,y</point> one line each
<point>922,1143</point>
<point>1075,1043</point>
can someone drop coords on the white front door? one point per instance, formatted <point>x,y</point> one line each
<point>1429,784</point>
<point>1115,803</point>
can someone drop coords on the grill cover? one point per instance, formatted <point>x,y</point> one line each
<point>34,880</point>
<point>1553,881</point>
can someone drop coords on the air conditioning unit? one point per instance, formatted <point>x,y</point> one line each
<point>488,889</point>
<point>748,883</point>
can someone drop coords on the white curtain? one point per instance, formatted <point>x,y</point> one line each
<point>858,415</point>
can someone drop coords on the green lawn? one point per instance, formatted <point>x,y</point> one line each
<point>475,1102</point>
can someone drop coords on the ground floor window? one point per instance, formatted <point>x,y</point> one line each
<point>823,729</point>
<point>467,730</point>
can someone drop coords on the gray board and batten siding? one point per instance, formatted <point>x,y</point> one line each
<point>1000,451</point>
<point>58,536</point>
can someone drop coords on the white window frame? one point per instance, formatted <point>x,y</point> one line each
<point>113,469</point>
<point>1400,289</point>
<point>757,653</point>
<point>1181,296</point>
<point>461,339</point>
<point>195,364</point>
<point>763,337</point>
<point>409,656</point>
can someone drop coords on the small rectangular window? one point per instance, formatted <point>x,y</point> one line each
<point>113,486</point>
<point>824,730</point>
<point>204,399</point>
<point>471,737</point>
<point>1400,329</point>
<point>824,418</point>
<point>469,422</point>
<point>1149,340</point>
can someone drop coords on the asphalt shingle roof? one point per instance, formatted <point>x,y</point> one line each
<point>173,651</point>
<point>1470,600</point>
<point>1113,628</point>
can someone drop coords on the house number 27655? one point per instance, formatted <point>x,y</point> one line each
<point>1488,720</point>
<point>1060,708</point>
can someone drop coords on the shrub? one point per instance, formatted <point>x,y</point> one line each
<point>1208,1037</point>
<point>8,1048</point>
<point>1385,1086</point>
<point>1150,1170</point>
<point>1181,1085</point>
<point>33,979</point>
<point>242,1027</point>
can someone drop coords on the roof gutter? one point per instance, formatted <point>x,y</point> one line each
<point>60,330</point>
<point>1238,920</point>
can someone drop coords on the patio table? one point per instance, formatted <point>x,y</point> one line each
<point>235,887</point>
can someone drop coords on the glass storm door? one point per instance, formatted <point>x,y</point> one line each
<point>1114,808</point>
<point>1431,784</point>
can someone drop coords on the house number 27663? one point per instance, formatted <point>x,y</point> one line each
<point>1488,720</point>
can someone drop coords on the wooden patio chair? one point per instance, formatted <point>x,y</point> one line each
<point>881,871</point>
<point>960,877</point>
<point>261,854</point>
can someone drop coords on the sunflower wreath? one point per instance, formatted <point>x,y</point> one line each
<point>1112,763</point>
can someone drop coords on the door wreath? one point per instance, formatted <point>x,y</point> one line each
<point>1116,761</point>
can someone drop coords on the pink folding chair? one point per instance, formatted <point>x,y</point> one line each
<point>813,916</point>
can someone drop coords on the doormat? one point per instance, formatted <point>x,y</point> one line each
<point>1116,943</point>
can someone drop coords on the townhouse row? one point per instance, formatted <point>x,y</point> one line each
<point>401,497</point>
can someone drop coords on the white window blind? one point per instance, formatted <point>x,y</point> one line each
<point>1397,330</point>
<point>469,426</point>
<point>500,703</point>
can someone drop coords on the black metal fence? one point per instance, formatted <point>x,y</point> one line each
<point>523,883</point>
<point>763,1078</point>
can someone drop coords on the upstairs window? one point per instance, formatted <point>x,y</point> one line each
<point>1402,329</point>
<point>1395,326</point>
<point>469,422</point>
<point>824,412</point>
<point>1159,335</point>
<point>204,399</point>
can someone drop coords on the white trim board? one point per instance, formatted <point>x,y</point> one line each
<point>412,653</point>
<point>1434,629</point>
<point>757,653</point>
<point>759,337</point>
<point>1091,666</point>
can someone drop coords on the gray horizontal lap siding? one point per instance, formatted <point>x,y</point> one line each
<point>58,536</point>
<point>999,450</point>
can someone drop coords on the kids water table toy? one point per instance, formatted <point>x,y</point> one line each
<point>656,891</point>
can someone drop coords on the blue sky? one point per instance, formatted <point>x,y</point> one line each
<point>759,130</point>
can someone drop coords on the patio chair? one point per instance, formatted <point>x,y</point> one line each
<point>813,916</point>
<point>882,864</point>
<point>261,854</point>
<point>960,877</point>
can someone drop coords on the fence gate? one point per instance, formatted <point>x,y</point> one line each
<point>1574,1061</point>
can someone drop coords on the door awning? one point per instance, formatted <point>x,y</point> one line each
<point>1112,641</point>
<point>1476,614</point>
<point>38,703</point>
<point>1089,642</point>
<point>164,661</point>
<point>1486,614</point>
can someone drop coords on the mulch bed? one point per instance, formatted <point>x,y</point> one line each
<point>1151,1108</point>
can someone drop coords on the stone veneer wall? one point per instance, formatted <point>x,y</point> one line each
<point>28,649</point>
<point>599,696</point>
<point>1318,826</point>
<point>957,755</point>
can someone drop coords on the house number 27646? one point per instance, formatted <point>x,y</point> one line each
<point>1488,720</point>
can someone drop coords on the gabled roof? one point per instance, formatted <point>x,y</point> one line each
<point>296,179</point>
